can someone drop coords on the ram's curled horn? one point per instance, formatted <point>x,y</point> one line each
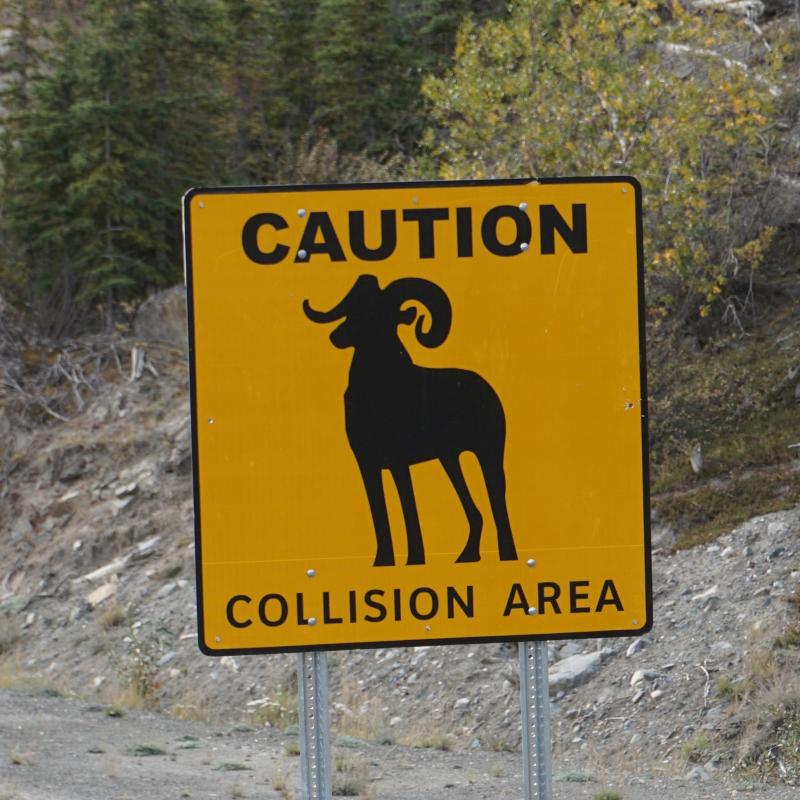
<point>433,298</point>
<point>364,286</point>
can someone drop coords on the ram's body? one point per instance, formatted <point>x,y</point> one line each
<point>398,414</point>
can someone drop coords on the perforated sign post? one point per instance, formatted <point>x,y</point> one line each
<point>418,413</point>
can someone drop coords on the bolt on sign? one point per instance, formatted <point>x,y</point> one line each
<point>418,413</point>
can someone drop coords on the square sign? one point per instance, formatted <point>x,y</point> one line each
<point>418,413</point>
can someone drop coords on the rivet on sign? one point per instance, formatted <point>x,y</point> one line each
<point>531,562</point>
<point>301,212</point>
<point>523,206</point>
<point>624,190</point>
<point>523,246</point>
<point>532,610</point>
<point>311,573</point>
<point>301,254</point>
<point>217,638</point>
<point>312,620</point>
<point>427,627</point>
<point>636,622</point>
<point>628,406</point>
<point>210,421</point>
<point>201,204</point>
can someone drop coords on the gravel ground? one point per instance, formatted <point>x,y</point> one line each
<point>60,749</point>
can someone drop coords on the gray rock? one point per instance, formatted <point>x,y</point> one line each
<point>778,528</point>
<point>706,595</point>
<point>635,646</point>
<point>162,318</point>
<point>697,774</point>
<point>721,648</point>
<point>574,670</point>
<point>643,675</point>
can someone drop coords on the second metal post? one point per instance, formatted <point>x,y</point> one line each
<point>534,698</point>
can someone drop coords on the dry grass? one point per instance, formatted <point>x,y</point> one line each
<point>349,777</point>
<point>279,711</point>
<point>280,784</point>
<point>20,759</point>
<point>9,635</point>
<point>193,706</point>
<point>112,617</point>
<point>354,716</point>
<point>14,676</point>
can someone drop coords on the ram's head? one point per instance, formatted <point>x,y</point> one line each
<point>371,315</point>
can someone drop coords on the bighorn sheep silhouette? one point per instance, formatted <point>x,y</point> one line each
<point>398,413</point>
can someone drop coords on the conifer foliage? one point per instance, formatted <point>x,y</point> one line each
<point>110,111</point>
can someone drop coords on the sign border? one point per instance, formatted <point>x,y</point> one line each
<point>188,282</point>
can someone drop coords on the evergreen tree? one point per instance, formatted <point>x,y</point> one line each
<point>18,71</point>
<point>124,119</point>
<point>360,87</point>
<point>270,65</point>
<point>38,214</point>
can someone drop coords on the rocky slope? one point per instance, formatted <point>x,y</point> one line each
<point>97,599</point>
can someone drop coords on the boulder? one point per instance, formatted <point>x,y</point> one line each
<point>573,670</point>
<point>162,318</point>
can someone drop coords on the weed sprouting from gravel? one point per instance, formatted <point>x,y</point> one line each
<point>349,777</point>
<point>137,670</point>
<point>142,750</point>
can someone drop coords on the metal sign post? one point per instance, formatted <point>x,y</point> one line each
<point>537,774</point>
<point>315,750</point>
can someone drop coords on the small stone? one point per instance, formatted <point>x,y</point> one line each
<point>166,658</point>
<point>126,489</point>
<point>697,774</point>
<point>166,589</point>
<point>721,648</point>
<point>656,693</point>
<point>708,593</point>
<point>727,552</point>
<point>635,646</point>
<point>778,528</point>
<point>776,553</point>
<point>638,696</point>
<point>462,702</point>
<point>747,551</point>
<point>643,675</point>
<point>395,721</point>
<point>763,591</point>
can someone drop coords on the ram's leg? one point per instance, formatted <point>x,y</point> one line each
<point>472,549</point>
<point>495,477</point>
<point>373,485</point>
<point>416,550</point>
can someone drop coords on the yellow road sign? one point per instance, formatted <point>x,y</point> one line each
<point>418,413</point>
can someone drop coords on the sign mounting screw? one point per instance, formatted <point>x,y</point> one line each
<point>302,255</point>
<point>210,421</point>
<point>217,638</point>
<point>301,212</point>
<point>201,204</point>
<point>312,620</point>
<point>531,562</point>
<point>523,206</point>
<point>532,610</point>
<point>311,573</point>
<point>523,246</point>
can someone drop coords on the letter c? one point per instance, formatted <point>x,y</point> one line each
<point>250,238</point>
<point>243,598</point>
